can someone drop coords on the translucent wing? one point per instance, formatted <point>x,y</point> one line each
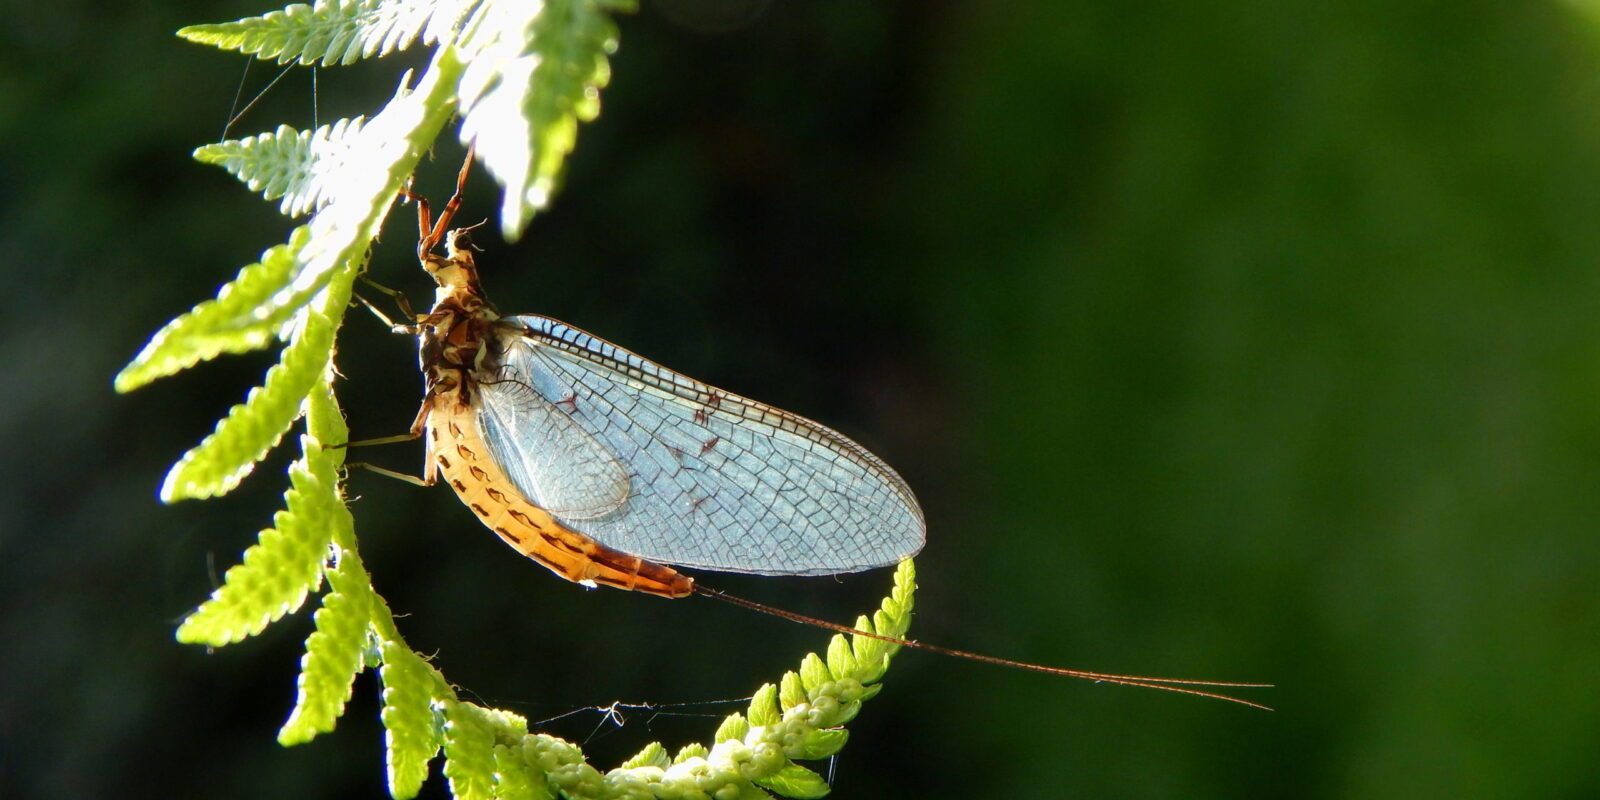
<point>666,468</point>
<point>548,454</point>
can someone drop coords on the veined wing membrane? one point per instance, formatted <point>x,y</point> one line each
<point>550,457</point>
<point>714,480</point>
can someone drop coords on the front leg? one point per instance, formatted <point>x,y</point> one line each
<point>400,300</point>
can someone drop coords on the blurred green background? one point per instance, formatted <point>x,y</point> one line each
<point>1248,340</point>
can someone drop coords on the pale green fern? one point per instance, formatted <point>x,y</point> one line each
<point>522,75</point>
<point>294,166</point>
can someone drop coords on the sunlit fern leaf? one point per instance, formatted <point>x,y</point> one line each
<point>818,744</point>
<point>841,661</point>
<point>653,755</point>
<point>411,691</point>
<point>340,646</point>
<point>479,741</point>
<point>325,423</point>
<point>813,673</point>
<point>790,690</point>
<point>560,764</point>
<point>691,752</point>
<point>336,237</point>
<point>468,752</point>
<point>356,193</point>
<point>764,710</point>
<point>334,32</point>
<point>630,784</point>
<point>868,652</point>
<point>335,653</point>
<point>795,781</point>
<point>277,572</point>
<point>473,735</point>
<point>288,164</point>
<point>749,791</point>
<point>782,726</point>
<point>734,726</point>
<point>324,453</point>
<point>537,74</point>
<point>514,777</point>
<point>241,318</point>
<point>252,428</point>
<point>893,618</point>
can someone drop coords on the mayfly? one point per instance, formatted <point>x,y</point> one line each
<point>606,467</point>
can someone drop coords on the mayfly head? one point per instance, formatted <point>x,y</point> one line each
<point>455,271</point>
<point>459,240</point>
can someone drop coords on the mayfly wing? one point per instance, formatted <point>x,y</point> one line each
<point>555,462</point>
<point>714,481</point>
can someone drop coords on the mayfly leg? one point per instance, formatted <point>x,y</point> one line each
<point>410,329</point>
<point>388,473</point>
<point>416,432</point>
<point>430,473</point>
<point>412,435</point>
<point>429,232</point>
<point>395,439</point>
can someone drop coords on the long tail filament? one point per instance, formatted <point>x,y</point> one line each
<point>1178,685</point>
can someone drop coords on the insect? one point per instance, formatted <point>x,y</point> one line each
<point>607,468</point>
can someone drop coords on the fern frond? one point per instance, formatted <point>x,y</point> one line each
<point>734,726</point>
<point>819,744</point>
<point>412,691</point>
<point>335,32</point>
<point>335,652</point>
<point>794,780</point>
<point>764,710</point>
<point>799,721</point>
<point>653,755</point>
<point>469,740</point>
<point>489,752</point>
<point>355,184</point>
<point>242,317</point>
<point>278,571</point>
<point>813,673</point>
<point>325,423</point>
<point>288,164</point>
<point>252,428</point>
<point>536,74</point>
<point>691,752</point>
<point>514,779</point>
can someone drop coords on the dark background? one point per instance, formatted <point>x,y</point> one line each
<point>1250,340</point>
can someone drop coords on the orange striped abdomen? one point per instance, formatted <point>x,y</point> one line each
<point>456,449</point>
